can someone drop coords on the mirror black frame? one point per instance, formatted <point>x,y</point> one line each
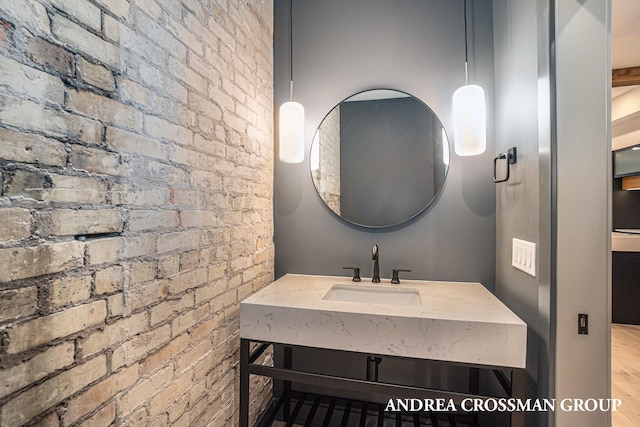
<point>436,192</point>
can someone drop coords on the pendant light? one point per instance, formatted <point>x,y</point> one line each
<point>291,123</point>
<point>469,111</point>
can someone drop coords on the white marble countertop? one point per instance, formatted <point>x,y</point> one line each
<point>625,240</point>
<point>457,322</point>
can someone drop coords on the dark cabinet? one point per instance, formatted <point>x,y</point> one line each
<point>625,287</point>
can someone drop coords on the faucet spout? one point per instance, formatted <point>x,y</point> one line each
<point>376,268</point>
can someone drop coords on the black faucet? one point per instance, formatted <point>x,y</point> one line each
<point>376,267</point>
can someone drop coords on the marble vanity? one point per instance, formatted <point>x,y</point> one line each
<point>455,322</point>
<point>452,322</point>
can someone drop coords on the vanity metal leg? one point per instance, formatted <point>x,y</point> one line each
<point>244,382</point>
<point>474,388</point>
<point>518,391</point>
<point>286,409</point>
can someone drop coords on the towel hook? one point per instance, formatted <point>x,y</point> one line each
<point>511,157</point>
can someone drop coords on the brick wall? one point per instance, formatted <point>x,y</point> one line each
<point>135,207</point>
<point>327,177</point>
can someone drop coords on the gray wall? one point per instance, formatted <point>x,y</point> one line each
<point>343,47</point>
<point>583,185</point>
<point>523,204</point>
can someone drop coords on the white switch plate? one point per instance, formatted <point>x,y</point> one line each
<point>523,256</point>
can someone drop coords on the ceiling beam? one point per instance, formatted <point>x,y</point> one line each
<point>625,77</point>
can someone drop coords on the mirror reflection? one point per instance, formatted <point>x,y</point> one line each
<point>379,158</point>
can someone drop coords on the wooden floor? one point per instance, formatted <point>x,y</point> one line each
<point>625,374</point>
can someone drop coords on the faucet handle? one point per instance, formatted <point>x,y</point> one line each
<point>356,273</point>
<point>395,279</point>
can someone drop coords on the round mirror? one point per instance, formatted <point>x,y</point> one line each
<point>379,158</point>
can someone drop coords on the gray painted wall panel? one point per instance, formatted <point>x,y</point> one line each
<point>343,47</point>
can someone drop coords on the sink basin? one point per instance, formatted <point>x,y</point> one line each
<point>374,294</point>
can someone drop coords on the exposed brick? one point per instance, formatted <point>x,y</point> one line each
<point>139,345</point>
<point>80,10</point>
<point>142,295</point>
<point>142,271</point>
<point>189,358</point>
<point>30,81</point>
<point>188,319</point>
<point>143,196</point>
<point>100,393</point>
<point>105,109</point>
<point>5,34</point>
<point>20,263</point>
<point>96,75</point>
<point>170,308</point>
<point>96,160</point>
<point>36,368</point>
<point>28,148</point>
<point>61,292</point>
<point>62,222</point>
<point>50,420</point>
<point>100,251</point>
<point>169,394</point>
<point>117,7</point>
<point>111,28</point>
<point>141,220</point>
<point>114,333</point>
<point>110,279</point>
<point>31,14</point>
<point>165,355</point>
<point>159,128</point>
<point>148,388</point>
<point>15,223</point>
<point>103,418</point>
<point>130,91</point>
<point>84,41</point>
<point>183,240</point>
<point>49,55</point>
<point>130,142</point>
<point>116,305</point>
<point>76,189</point>
<point>28,115</point>
<point>39,398</point>
<point>139,246</point>
<point>42,330</point>
<point>185,281</point>
<point>16,303</point>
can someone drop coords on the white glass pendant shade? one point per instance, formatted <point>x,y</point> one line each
<point>469,121</point>
<point>291,128</point>
<point>315,152</point>
<point>445,148</point>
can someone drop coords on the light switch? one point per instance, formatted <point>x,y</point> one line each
<point>523,256</point>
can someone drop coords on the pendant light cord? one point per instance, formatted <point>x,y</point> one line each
<point>291,49</point>
<point>466,48</point>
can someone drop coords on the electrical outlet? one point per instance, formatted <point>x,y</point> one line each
<point>523,256</point>
<point>583,324</point>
